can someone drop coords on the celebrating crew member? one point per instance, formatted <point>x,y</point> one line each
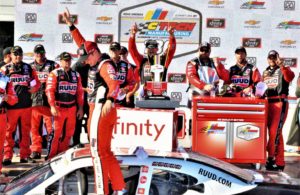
<point>204,72</point>
<point>64,92</point>
<point>243,76</point>
<point>25,82</point>
<point>144,63</point>
<point>125,74</point>
<point>7,96</point>
<point>6,56</point>
<point>40,106</point>
<point>130,94</point>
<point>277,77</point>
<point>103,76</point>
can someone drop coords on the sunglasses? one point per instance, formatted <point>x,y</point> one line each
<point>204,49</point>
<point>115,49</point>
<point>272,57</point>
<point>40,52</point>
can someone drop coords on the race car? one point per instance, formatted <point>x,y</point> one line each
<point>145,172</point>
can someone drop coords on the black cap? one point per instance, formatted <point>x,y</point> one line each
<point>240,48</point>
<point>115,46</point>
<point>65,56</point>
<point>7,51</point>
<point>123,50</point>
<point>85,49</point>
<point>151,44</point>
<point>272,53</point>
<point>39,48</point>
<point>16,49</point>
<point>205,44</point>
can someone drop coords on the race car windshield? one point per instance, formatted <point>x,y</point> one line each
<point>28,180</point>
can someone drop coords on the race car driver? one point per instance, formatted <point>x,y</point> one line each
<point>204,72</point>
<point>64,92</point>
<point>243,76</point>
<point>277,77</point>
<point>7,96</point>
<point>144,62</point>
<point>6,56</point>
<point>105,76</point>
<point>25,82</point>
<point>40,106</point>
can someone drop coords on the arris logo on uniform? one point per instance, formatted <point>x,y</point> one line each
<point>31,37</point>
<point>251,42</point>
<point>30,17</point>
<point>32,1</point>
<point>215,22</point>
<point>289,5</point>
<point>253,5</point>
<point>73,18</point>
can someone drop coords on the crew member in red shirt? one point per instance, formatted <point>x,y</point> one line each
<point>7,96</point>
<point>64,92</point>
<point>25,82</point>
<point>40,106</point>
<point>104,72</point>
<point>277,77</point>
<point>144,62</point>
<point>243,76</point>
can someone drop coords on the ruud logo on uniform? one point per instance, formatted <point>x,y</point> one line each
<point>252,42</point>
<point>289,5</point>
<point>215,22</point>
<point>32,1</point>
<point>67,38</point>
<point>104,38</point>
<point>73,18</point>
<point>215,41</point>
<point>291,62</point>
<point>30,18</point>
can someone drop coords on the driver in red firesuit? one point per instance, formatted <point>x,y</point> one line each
<point>144,62</point>
<point>277,77</point>
<point>243,76</point>
<point>40,106</point>
<point>64,92</point>
<point>104,72</point>
<point>25,82</point>
<point>7,96</point>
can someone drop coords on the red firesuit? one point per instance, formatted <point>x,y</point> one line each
<point>243,77</point>
<point>40,106</point>
<point>21,75</point>
<point>277,79</point>
<point>64,90</point>
<point>195,68</point>
<point>144,63</point>
<point>11,100</point>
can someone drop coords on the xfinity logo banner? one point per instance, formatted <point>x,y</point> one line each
<point>145,128</point>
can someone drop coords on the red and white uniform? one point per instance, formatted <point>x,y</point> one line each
<point>277,79</point>
<point>64,91</point>
<point>40,106</point>
<point>11,100</point>
<point>21,75</point>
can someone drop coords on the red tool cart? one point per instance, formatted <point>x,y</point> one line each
<point>231,129</point>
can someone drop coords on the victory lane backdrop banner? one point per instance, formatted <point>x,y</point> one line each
<point>259,26</point>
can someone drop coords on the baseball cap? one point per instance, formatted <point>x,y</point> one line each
<point>205,44</point>
<point>16,49</point>
<point>272,53</point>
<point>240,48</point>
<point>85,49</point>
<point>151,44</point>
<point>123,50</point>
<point>39,48</point>
<point>115,46</point>
<point>65,56</point>
<point>7,51</point>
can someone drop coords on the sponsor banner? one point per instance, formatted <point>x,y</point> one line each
<point>248,132</point>
<point>215,23</point>
<point>251,42</point>
<point>291,62</point>
<point>176,78</point>
<point>31,1</point>
<point>104,38</point>
<point>145,128</point>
